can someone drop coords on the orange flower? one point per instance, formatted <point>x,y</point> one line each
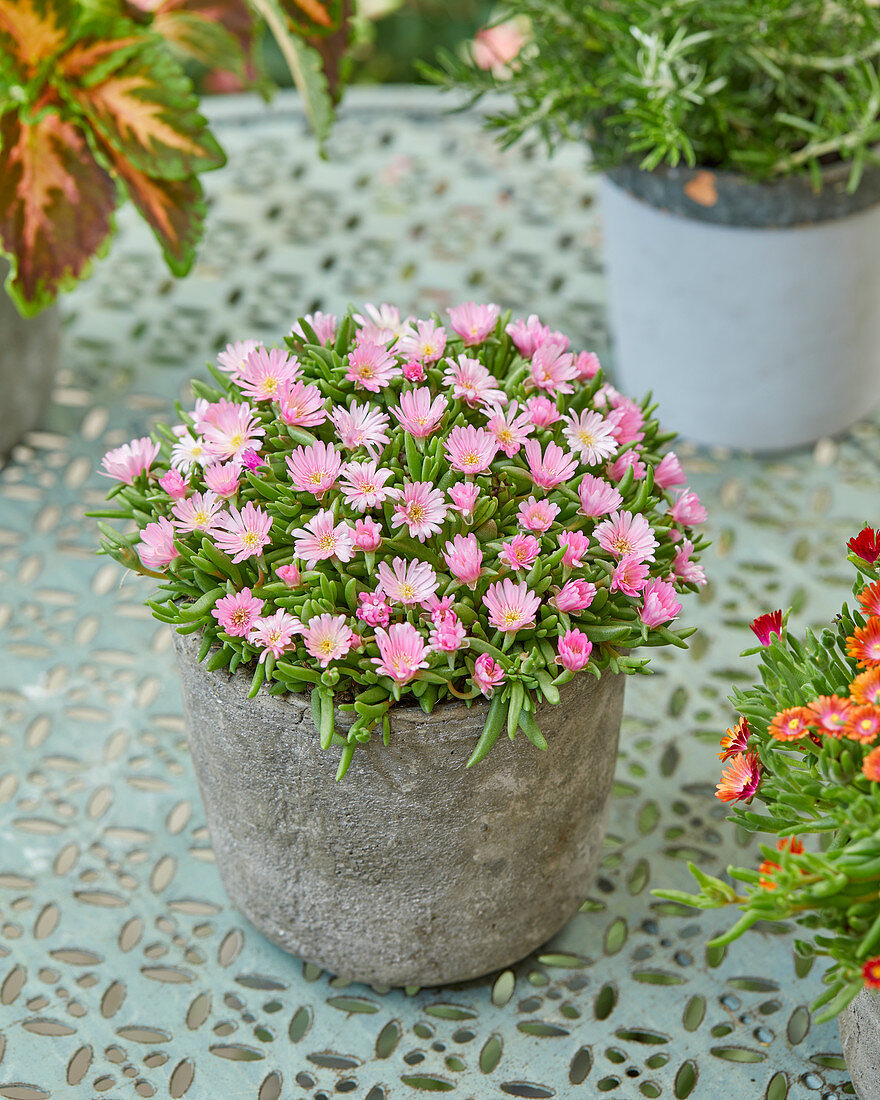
<point>791,724</point>
<point>871,765</point>
<point>871,973</point>
<point>735,740</point>
<point>866,687</point>
<point>864,645</point>
<point>863,724</point>
<point>831,714</point>
<point>740,779</point>
<point>769,867</point>
<point>869,598</point>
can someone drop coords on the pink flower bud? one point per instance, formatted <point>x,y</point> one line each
<point>669,472</point>
<point>413,371</point>
<point>373,610</point>
<point>290,574</point>
<point>574,596</point>
<point>174,484</point>
<point>367,534</point>
<point>488,674</point>
<point>574,649</point>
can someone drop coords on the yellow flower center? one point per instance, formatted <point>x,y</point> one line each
<point>236,440</point>
<point>407,591</point>
<point>585,439</point>
<point>622,545</point>
<point>326,645</point>
<point>511,617</point>
<point>416,513</point>
<point>471,459</point>
<point>240,616</point>
<point>327,542</point>
<point>251,539</point>
<point>270,385</point>
<point>200,518</point>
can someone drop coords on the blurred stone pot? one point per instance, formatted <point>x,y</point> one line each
<point>412,870</point>
<point>750,310</point>
<point>859,1025</point>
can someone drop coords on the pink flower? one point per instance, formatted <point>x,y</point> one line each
<point>426,342</point>
<point>448,633</point>
<point>668,472</point>
<point>236,613</point>
<point>520,551</point>
<point>300,405</point>
<point>551,468</point>
<point>488,674</point>
<point>125,463</point>
<point>574,649</point>
<point>233,429</point>
<point>687,509</point>
<point>470,450</point>
<point>472,382</point>
<point>156,548</point>
<point>327,638</point>
<point>290,574</point>
<point>510,429</point>
<point>370,366</point>
<point>321,538</point>
<point>175,484</point>
<point>537,515</point>
<point>232,358</point>
<point>528,335</point>
<point>587,366</point>
<point>766,625</point>
<point>575,595</point>
<point>363,485</point>
<point>222,478</point>
<point>629,576</point>
<point>418,413</point>
<point>402,652</point>
<point>197,513</point>
<point>575,543</point>
<point>625,533</point>
<point>464,558</point>
<point>314,469</point>
<point>265,372</point>
<point>685,569</point>
<point>381,325</point>
<point>360,426</point>
<point>542,411</point>
<point>251,459</point>
<point>242,534</point>
<point>407,582</point>
<point>495,47</point>
<point>552,368</point>
<point>322,324</point>
<point>617,469</point>
<point>413,371</point>
<point>464,497</point>
<point>660,605</point>
<point>597,497</point>
<point>511,606</point>
<point>367,535</point>
<point>589,435</point>
<point>473,322</point>
<point>274,633</point>
<point>373,609</point>
<point>421,507</point>
<point>626,419</point>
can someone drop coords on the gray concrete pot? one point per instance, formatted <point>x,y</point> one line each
<point>749,309</point>
<point>412,870</point>
<point>859,1025</point>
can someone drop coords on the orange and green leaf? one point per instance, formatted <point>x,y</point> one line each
<point>56,207</point>
<point>93,59</point>
<point>204,40</point>
<point>314,10</point>
<point>33,31</point>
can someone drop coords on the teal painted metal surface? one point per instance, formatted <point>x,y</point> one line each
<point>123,970</point>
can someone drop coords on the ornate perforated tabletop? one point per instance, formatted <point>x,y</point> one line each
<point>124,971</point>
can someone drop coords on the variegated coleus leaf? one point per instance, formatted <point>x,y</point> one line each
<point>34,31</point>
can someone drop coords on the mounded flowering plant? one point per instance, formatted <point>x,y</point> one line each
<point>395,509</point>
<point>807,747</point>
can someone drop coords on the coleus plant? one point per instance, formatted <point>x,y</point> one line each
<point>807,747</point>
<point>96,107</point>
<point>396,509</point>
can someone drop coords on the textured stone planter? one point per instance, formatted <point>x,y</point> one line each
<point>749,309</point>
<point>860,1034</point>
<point>412,870</point>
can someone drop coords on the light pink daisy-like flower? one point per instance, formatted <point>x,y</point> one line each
<point>473,322</point>
<point>626,420</point>
<point>552,368</point>
<point>472,382</point>
<point>470,450</point>
<point>624,533</point>
<point>381,325</point>
<point>290,574</point>
<point>576,595</point>
<point>511,429</point>
<point>407,582</point>
<point>686,570</point>
<point>236,613</point>
<point>402,652</point>
<point>315,468</point>
<point>125,463</point>
<point>464,497</point>
<point>586,363</point>
<point>242,534</point>
<point>360,426</point>
<point>222,478</point>
<point>156,548</point>
<point>174,484</point>
<point>321,538</point>
<point>576,544</point>
<point>465,559</point>
<point>189,451</point>
<point>327,638</point>
<point>197,512</point>
<point>439,608</point>
<point>630,576</point>
<point>367,535</point>
<point>373,609</point>
<point>659,603</point>
<point>426,342</point>
<point>418,413</point>
<point>370,366</point>
<point>668,472</point>
<point>233,428</point>
<point>421,507</point>
<point>687,509</point>
<point>363,485</point>
<point>274,633</point>
<point>520,551</point>
<point>550,468</point>
<point>232,358</point>
<point>618,468</point>
<point>265,372</point>
<point>542,411</point>
<point>413,371</point>
<point>597,497</point>
<point>511,606</point>
<point>448,634</point>
<point>589,435</point>
<point>537,515</point>
<point>573,649</point>
<point>300,405</point>
<point>202,415</point>
<point>528,335</point>
<point>488,674</point>
<point>322,324</point>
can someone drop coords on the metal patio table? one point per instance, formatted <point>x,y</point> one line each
<point>124,971</point>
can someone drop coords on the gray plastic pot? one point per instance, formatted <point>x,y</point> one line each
<point>752,311</point>
<point>413,870</point>
<point>859,1025</point>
